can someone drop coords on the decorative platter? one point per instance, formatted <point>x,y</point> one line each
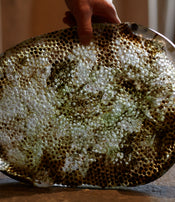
<point>101,115</point>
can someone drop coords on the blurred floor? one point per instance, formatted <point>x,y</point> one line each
<point>162,190</point>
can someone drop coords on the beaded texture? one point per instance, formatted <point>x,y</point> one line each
<point>100,115</point>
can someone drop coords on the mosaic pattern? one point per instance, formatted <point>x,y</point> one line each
<point>100,115</point>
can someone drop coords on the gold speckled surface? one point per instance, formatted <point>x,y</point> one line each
<point>100,115</point>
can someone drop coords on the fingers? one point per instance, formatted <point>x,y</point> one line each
<point>82,18</point>
<point>84,25</point>
<point>83,12</point>
<point>69,19</point>
<point>107,11</point>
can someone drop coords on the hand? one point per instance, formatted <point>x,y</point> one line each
<point>84,12</point>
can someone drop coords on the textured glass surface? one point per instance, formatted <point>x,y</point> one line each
<point>101,114</point>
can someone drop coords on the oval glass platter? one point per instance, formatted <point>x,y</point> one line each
<point>100,115</point>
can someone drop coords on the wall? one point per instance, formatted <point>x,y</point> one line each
<point>133,11</point>
<point>22,19</point>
